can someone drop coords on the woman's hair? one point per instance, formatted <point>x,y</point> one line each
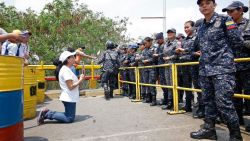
<point>148,39</point>
<point>190,22</point>
<point>58,65</point>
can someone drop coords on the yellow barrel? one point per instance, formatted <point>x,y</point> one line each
<point>40,73</point>
<point>30,92</point>
<point>11,98</point>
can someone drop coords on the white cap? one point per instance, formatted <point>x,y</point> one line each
<point>65,55</point>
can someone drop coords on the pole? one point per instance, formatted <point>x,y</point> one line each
<point>249,10</point>
<point>164,15</point>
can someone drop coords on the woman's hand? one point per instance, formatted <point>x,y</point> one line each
<point>82,77</point>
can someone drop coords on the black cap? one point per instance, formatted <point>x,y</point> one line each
<point>199,1</point>
<point>171,30</point>
<point>235,5</point>
<point>133,46</point>
<point>159,36</point>
<point>140,43</point>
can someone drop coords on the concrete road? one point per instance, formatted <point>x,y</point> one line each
<point>117,120</point>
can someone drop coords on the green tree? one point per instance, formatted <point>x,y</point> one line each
<point>62,24</point>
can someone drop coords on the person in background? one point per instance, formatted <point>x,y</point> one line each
<point>149,74</point>
<point>69,84</point>
<point>24,50</point>
<point>217,69</point>
<point>159,56</point>
<point>110,69</point>
<point>169,57</point>
<point>12,46</point>
<point>236,10</point>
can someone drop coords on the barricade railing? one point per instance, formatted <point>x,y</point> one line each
<point>174,86</point>
<point>92,67</point>
<point>137,89</point>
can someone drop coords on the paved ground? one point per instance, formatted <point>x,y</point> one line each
<point>117,120</point>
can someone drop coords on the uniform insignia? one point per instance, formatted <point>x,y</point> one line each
<point>217,23</point>
<point>231,25</point>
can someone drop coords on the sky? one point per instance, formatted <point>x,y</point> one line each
<point>178,11</point>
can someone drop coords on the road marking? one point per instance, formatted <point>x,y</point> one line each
<point>131,133</point>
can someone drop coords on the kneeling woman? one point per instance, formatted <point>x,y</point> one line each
<point>69,84</point>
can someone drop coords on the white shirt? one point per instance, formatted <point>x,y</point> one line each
<point>11,47</point>
<point>24,50</point>
<point>66,94</point>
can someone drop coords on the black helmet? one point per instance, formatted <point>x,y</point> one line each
<point>110,45</point>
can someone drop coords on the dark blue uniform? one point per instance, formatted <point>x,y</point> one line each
<point>149,74</point>
<point>111,64</point>
<point>132,87</point>
<point>187,43</point>
<point>215,39</point>
<point>161,71</point>
<point>243,72</point>
<point>169,51</point>
<point>124,73</point>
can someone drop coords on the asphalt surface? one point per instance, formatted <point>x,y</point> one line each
<point>117,120</point>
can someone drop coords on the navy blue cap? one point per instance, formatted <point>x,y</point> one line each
<point>199,1</point>
<point>133,46</point>
<point>159,36</point>
<point>171,30</point>
<point>235,5</point>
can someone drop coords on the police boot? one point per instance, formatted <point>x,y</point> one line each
<point>148,97</point>
<point>153,101</point>
<point>144,97</point>
<point>111,93</point>
<point>247,110</point>
<point>240,116</point>
<point>235,134</point>
<point>247,128</point>
<point>207,132</point>
<point>170,104</point>
<point>106,91</point>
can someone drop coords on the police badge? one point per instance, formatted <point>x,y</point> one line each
<point>217,23</point>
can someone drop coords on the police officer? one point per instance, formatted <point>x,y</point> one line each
<point>236,10</point>
<point>217,70</point>
<point>132,63</point>
<point>169,57</point>
<point>110,61</point>
<point>191,31</point>
<point>138,60</point>
<point>187,57</point>
<point>123,56</point>
<point>159,56</point>
<point>149,73</point>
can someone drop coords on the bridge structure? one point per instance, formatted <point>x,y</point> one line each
<point>97,119</point>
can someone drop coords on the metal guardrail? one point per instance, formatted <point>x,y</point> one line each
<point>175,86</point>
<point>92,67</point>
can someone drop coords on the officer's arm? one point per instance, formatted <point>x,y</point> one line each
<point>101,59</point>
<point>247,39</point>
<point>234,36</point>
<point>150,59</point>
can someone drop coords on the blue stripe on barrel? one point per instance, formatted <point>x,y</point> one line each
<point>11,108</point>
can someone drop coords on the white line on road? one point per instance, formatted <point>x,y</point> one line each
<point>131,133</point>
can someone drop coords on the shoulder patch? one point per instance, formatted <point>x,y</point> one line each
<point>231,25</point>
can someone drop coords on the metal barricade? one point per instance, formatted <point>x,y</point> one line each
<point>175,86</point>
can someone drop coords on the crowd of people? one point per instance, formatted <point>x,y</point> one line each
<point>15,44</point>
<point>214,41</point>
